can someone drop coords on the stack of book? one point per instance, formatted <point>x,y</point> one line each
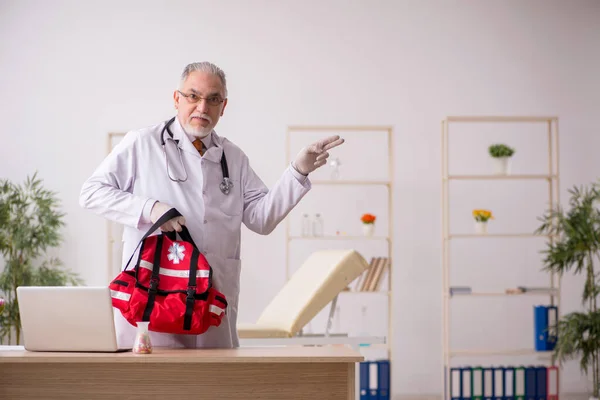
<point>498,383</point>
<point>370,280</point>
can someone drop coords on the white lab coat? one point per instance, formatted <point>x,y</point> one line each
<point>134,176</point>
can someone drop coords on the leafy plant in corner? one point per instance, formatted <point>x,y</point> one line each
<point>500,150</point>
<point>29,226</point>
<point>576,248</point>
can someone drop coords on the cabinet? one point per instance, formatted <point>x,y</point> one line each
<point>519,207</point>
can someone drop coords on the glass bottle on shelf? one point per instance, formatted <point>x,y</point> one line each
<point>318,225</point>
<point>306,228</point>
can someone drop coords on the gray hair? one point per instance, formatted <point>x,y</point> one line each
<point>207,67</point>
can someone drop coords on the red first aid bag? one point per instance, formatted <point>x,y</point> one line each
<point>170,285</point>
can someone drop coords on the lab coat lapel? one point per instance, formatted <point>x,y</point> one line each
<point>184,142</point>
<point>215,151</point>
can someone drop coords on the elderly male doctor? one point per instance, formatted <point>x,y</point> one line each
<point>133,186</point>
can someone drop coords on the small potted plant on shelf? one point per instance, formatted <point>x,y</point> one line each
<point>502,155</point>
<point>576,249</point>
<point>368,221</point>
<point>481,220</point>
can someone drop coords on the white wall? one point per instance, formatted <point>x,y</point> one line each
<point>71,72</point>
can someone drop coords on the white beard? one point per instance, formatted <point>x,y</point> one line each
<point>199,132</point>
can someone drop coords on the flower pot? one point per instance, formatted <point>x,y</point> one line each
<point>502,165</point>
<point>481,227</point>
<point>368,229</point>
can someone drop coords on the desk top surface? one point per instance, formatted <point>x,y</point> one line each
<point>290,354</point>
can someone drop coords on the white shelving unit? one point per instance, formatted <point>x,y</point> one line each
<point>553,294</point>
<point>367,186</point>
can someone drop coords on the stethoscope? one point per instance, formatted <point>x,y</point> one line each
<point>225,184</point>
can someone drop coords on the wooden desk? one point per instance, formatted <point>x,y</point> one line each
<point>280,373</point>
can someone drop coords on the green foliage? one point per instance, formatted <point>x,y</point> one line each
<point>501,150</point>
<point>575,248</point>
<point>29,226</point>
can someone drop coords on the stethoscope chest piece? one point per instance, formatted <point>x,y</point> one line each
<point>226,185</point>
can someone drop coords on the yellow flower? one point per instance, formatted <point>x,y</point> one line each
<point>482,215</point>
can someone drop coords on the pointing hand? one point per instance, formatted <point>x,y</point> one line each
<point>314,156</point>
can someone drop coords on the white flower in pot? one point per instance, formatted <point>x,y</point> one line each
<point>502,156</point>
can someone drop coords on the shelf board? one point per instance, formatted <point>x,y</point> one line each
<point>500,177</point>
<point>380,292</point>
<point>485,118</point>
<point>494,235</point>
<point>490,352</point>
<point>340,237</point>
<point>342,182</point>
<point>494,294</point>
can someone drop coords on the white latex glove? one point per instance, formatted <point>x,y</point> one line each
<point>174,224</point>
<point>314,156</point>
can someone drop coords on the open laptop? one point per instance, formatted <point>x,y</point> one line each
<point>67,318</point>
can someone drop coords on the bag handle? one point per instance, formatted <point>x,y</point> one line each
<point>184,235</point>
<point>170,214</point>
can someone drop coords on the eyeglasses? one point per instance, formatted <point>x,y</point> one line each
<point>193,98</point>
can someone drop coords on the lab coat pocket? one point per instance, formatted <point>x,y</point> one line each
<point>231,204</point>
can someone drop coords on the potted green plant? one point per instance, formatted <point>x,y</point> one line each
<point>502,156</point>
<point>30,225</point>
<point>576,249</point>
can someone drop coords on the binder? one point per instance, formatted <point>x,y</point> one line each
<point>383,379</point>
<point>455,384</point>
<point>477,383</point>
<point>541,382</point>
<point>552,380</point>
<point>498,383</point>
<point>488,383</point>
<point>364,380</point>
<point>530,383</point>
<point>509,383</point>
<point>552,327</point>
<point>465,375</point>
<point>540,328</point>
<point>519,384</point>
<point>373,380</point>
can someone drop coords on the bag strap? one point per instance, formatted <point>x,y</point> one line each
<point>191,292</point>
<point>172,213</point>
<point>154,280</point>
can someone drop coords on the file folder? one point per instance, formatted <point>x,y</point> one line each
<point>364,380</point>
<point>552,327</point>
<point>552,380</point>
<point>509,383</point>
<point>498,383</point>
<point>466,375</point>
<point>541,328</point>
<point>383,379</point>
<point>455,384</point>
<point>477,383</point>
<point>519,383</point>
<point>373,380</point>
<point>488,383</point>
<point>530,383</point>
<point>541,382</point>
